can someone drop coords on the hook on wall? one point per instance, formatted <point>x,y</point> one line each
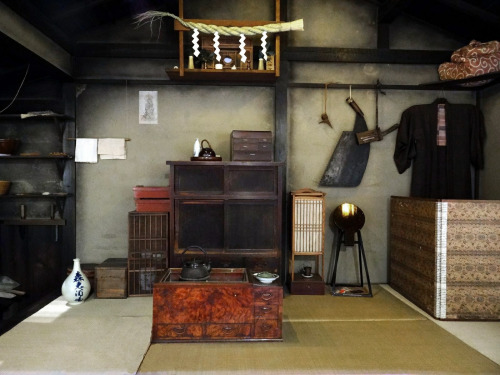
<point>324,115</point>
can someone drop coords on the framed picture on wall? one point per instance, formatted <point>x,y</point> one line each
<point>148,107</point>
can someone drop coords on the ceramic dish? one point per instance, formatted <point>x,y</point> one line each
<point>266,277</point>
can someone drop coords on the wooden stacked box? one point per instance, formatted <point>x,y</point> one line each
<point>152,198</point>
<point>251,145</point>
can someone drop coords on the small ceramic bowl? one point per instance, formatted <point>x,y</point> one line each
<point>266,277</point>
<point>9,146</point>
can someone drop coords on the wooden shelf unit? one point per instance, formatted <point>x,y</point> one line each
<point>224,74</point>
<point>231,209</point>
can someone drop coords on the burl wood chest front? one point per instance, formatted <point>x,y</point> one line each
<point>218,310</point>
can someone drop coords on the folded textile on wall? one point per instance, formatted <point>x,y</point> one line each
<point>112,148</point>
<point>86,150</point>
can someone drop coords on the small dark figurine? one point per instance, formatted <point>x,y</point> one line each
<point>325,120</point>
<point>204,58</point>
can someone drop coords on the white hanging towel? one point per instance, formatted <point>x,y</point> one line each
<point>112,148</point>
<point>86,150</point>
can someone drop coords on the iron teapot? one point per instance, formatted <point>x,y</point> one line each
<point>206,151</point>
<point>195,269</point>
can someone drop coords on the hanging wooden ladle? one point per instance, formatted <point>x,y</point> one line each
<point>324,116</point>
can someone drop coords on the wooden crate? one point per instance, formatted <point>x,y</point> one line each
<point>111,278</point>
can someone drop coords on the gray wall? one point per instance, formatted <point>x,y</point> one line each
<point>189,112</point>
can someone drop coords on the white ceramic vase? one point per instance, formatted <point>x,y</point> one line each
<point>196,148</point>
<point>76,288</point>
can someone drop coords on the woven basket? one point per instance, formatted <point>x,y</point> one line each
<point>4,187</point>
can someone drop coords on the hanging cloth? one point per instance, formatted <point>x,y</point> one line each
<point>440,172</point>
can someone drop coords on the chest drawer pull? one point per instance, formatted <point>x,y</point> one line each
<point>266,296</point>
<point>266,327</point>
<point>179,330</point>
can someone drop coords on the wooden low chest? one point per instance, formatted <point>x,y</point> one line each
<point>230,306</point>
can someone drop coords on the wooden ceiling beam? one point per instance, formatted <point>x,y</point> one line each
<point>471,10</point>
<point>365,55</point>
<point>390,9</point>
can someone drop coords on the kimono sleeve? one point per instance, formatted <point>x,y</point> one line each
<point>405,150</point>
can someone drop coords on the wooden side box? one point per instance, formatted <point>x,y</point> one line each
<point>313,286</point>
<point>251,145</point>
<point>111,278</point>
<point>152,205</point>
<point>151,192</point>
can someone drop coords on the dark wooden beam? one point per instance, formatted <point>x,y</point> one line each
<point>472,11</point>
<point>390,9</point>
<point>383,36</point>
<point>361,55</point>
<point>32,14</point>
<point>127,50</point>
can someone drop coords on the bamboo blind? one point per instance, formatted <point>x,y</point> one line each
<point>308,224</point>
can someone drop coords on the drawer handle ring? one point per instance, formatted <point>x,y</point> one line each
<point>267,296</point>
<point>266,327</point>
<point>179,330</point>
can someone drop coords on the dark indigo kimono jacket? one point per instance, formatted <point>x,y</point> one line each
<point>440,172</point>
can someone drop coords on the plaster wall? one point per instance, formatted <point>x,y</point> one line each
<point>104,190</point>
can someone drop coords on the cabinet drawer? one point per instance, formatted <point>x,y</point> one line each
<point>252,145</point>
<point>228,330</point>
<point>179,331</point>
<point>266,311</point>
<point>268,295</point>
<point>231,305</point>
<point>248,155</point>
<point>269,329</point>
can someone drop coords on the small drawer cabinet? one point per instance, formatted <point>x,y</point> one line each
<point>251,145</point>
<point>268,311</point>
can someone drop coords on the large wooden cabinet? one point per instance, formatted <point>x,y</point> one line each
<point>231,209</point>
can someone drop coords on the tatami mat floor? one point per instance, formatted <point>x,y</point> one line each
<point>112,315</point>
<point>482,336</point>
